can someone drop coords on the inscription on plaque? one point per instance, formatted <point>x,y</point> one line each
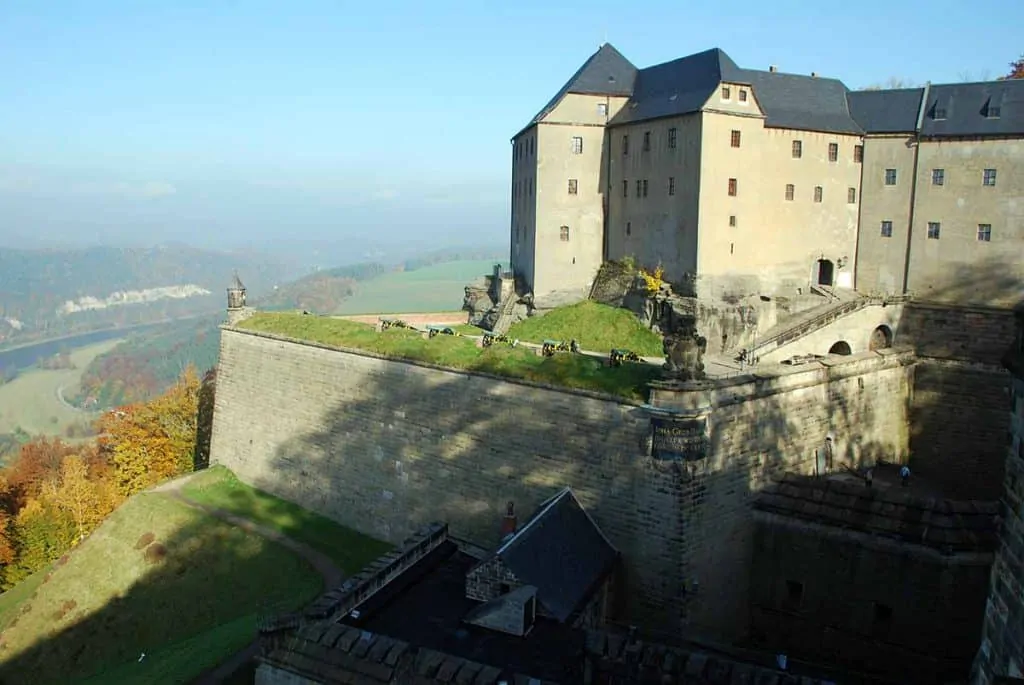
<point>679,439</point>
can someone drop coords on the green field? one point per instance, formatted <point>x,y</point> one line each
<point>437,288</point>
<point>31,401</point>
<point>574,371</point>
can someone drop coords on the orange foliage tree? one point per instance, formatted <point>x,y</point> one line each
<point>147,443</point>
<point>1016,69</point>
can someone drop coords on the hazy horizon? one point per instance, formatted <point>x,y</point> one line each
<point>250,126</point>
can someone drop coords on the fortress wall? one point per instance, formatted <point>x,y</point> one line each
<point>385,446</point>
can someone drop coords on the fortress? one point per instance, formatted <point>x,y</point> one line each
<point>886,306</point>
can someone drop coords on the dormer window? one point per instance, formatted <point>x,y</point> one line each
<point>743,96</point>
<point>726,93</point>
<point>994,106</point>
<point>941,108</point>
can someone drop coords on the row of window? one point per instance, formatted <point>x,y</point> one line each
<point>984,233</point>
<point>735,140</point>
<point>988,177</point>
<point>524,148</point>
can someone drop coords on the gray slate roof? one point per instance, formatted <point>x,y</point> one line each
<point>606,72</point>
<point>678,87</point>
<point>968,107</point>
<point>807,103</point>
<point>561,552</point>
<point>886,111</point>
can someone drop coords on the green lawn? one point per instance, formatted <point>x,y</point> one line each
<point>597,327</point>
<point>573,371</point>
<point>351,551</point>
<point>16,596</point>
<point>187,606</point>
<point>436,288</point>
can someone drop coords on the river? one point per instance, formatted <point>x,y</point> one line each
<point>20,358</point>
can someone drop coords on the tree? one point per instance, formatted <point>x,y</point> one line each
<point>147,443</point>
<point>892,83</point>
<point>204,418</point>
<point>1016,69</point>
<point>38,461</point>
<point>79,497</point>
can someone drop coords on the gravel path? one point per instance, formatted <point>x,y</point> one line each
<point>328,570</point>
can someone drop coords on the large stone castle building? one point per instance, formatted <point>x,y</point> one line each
<point>739,181</point>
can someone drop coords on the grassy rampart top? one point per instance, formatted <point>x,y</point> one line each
<point>568,370</point>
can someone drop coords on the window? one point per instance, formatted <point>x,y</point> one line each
<point>858,153</point>
<point>939,113</point>
<point>794,595</point>
<point>602,109</point>
<point>577,145</point>
<point>732,187</point>
<point>732,217</point>
<point>993,112</point>
<point>886,229</point>
<point>734,139</point>
<point>743,95</point>
<point>798,149</point>
<point>645,187</point>
<point>671,185</point>
<point>563,234</point>
<point>639,188</point>
<point>933,230</point>
<point>890,177</point>
<point>851,196</point>
<point>625,188</point>
<point>625,144</point>
<point>818,192</point>
<point>833,152</point>
<point>629,228</point>
<point>647,141</point>
<point>672,138</point>
<point>790,190</point>
<point>938,177</point>
<point>985,233</point>
<point>726,93</point>
<point>573,186</point>
<point>989,179</point>
<point>532,142</point>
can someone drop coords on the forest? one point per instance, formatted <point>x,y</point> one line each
<point>54,494</point>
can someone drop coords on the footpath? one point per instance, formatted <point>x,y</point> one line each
<point>328,570</point>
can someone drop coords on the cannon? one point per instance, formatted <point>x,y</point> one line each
<point>619,355</point>
<point>549,347</point>
<point>385,324</point>
<point>440,330</point>
<point>491,338</point>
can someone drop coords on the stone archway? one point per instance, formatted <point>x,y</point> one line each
<point>841,348</point>
<point>881,338</point>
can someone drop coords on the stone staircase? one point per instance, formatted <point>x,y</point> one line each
<point>840,304</point>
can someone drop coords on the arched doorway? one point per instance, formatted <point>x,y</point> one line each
<point>841,348</point>
<point>826,272</point>
<point>881,338</point>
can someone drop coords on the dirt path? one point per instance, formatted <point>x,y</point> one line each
<point>328,570</point>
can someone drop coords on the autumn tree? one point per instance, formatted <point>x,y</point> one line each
<point>1016,69</point>
<point>38,461</point>
<point>150,442</point>
<point>86,500</point>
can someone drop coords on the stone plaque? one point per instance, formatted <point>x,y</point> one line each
<point>676,439</point>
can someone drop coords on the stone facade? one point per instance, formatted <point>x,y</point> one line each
<point>886,580</point>
<point>385,446</point>
<point>1002,645</point>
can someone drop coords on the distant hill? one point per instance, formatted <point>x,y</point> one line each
<point>46,293</point>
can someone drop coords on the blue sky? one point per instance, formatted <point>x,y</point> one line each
<point>229,123</point>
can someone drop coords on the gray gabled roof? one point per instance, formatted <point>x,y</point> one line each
<point>606,72</point>
<point>678,87</point>
<point>807,103</point>
<point>561,552</point>
<point>968,109</point>
<point>886,111</point>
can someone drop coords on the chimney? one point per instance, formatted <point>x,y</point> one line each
<point>772,68</point>
<point>814,74</point>
<point>510,522</point>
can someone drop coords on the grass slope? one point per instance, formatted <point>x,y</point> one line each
<point>597,327</point>
<point>30,401</point>
<point>107,604</point>
<point>573,371</point>
<point>436,288</point>
<point>218,487</point>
